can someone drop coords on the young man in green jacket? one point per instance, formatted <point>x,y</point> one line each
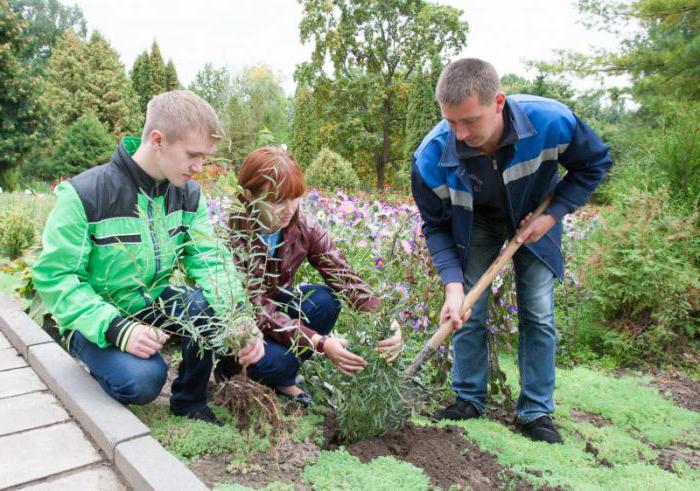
<point>111,245</point>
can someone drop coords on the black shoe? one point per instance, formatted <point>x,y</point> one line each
<point>541,430</point>
<point>460,410</point>
<point>205,414</point>
<point>304,398</point>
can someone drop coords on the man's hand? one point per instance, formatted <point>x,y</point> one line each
<point>454,297</point>
<point>145,341</point>
<point>253,351</point>
<point>346,361</point>
<point>532,231</point>
<point>390,348</point>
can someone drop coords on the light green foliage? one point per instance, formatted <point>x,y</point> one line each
<point>87,77</point>
<point>544,85</point>
<point>21,113</point>
<point>340,470</point>
<point>16,233</point>
<point>251,104</point>
<point>330,171</point>
<point>213,85</point>
<point>308,427</point>
<point>190,439</point>
<point>45,22</point>
<point>637,414</point>
<point>375,47</point>
<point>256,103</point>
<point>84,144</point>
<point>304,129</point>
<point>647,286</point>
<point>658,48</point>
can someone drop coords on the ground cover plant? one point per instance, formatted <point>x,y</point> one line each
<point>617,430</point>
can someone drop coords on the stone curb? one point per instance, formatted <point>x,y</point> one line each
<point>125,440</point>
<point>21,331</point>
<point>146,465</point>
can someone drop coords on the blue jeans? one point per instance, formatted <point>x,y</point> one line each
<point>537,334</point>
<point>279,365</point>
<point>133,380</point>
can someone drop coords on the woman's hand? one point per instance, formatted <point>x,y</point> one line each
<point>253,351</point>
<point>390,348</point>
<point>346,361</point>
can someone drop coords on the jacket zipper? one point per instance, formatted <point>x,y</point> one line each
<point>494,161</point>
<point>152,228</point>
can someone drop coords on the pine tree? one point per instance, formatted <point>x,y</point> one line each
<point>141,79</point>
<point>88,77</point>
<point>20,117</point>
<point>304,131</point>
<point>150,76</point>
<point>82,145</point>
<point>423,111</point>
<point>157,70</point>
<point>171,81</point>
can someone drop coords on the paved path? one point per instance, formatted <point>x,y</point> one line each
<point>41,446</point>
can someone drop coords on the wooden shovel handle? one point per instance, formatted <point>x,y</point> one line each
<point>497,265</point>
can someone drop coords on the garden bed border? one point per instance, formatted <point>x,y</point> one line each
<point>141,461</point>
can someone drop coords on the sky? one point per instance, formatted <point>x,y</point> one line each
<point>237,33</point>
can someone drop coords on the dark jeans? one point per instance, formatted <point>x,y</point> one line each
<point>279,365</point>
<point>133,380</point>
<point>537,341</point>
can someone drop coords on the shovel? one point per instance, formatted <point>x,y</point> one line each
<point>470,298</point>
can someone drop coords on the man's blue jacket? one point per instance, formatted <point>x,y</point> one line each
<point>547,133</point>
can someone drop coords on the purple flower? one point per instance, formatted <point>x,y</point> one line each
<point>379,263</point>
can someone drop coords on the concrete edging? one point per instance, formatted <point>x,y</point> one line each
<point>124,439</point>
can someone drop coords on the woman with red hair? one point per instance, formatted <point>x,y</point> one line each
<point>294,321</point>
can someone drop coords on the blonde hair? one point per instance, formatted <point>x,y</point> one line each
<point>179,112</point>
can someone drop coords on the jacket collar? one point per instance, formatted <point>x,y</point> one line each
<point>122,159</point>
<point>517,128</point>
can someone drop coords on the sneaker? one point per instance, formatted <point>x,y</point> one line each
<point>205,414</point>
<point>541,430</point>
<point>304,398</point>
<point>460,410</point>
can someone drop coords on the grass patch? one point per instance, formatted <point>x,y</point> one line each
<point>339,470</point>
<point>189,439</point>
<point>309,427</point>
<point>614,456</point>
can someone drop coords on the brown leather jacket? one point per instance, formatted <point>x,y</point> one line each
<point>302,239</point>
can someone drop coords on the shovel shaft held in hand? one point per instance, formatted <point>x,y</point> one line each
<point>473,295</point>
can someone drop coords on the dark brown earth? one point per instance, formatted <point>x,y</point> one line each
<point>684,391</point>
<point>585,417</point>
<point>443,454</point>
<point>281,463</point>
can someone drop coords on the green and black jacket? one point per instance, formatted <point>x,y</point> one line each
<point>112,242</point>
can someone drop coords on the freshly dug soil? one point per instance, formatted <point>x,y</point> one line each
<point>684,391</point>
<point>282,463</point>
<point>585,417</point>
<point>443,454</point>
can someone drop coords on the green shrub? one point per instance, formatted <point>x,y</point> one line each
<point>667,155</point>
<point>16,233</point>
<point>644,275</point>
<point>84,144</point>
<point>330,171</point>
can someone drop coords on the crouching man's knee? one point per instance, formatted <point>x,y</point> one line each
<point>143,382</point>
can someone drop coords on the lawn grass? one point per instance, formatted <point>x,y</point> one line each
<point>634,423</point>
